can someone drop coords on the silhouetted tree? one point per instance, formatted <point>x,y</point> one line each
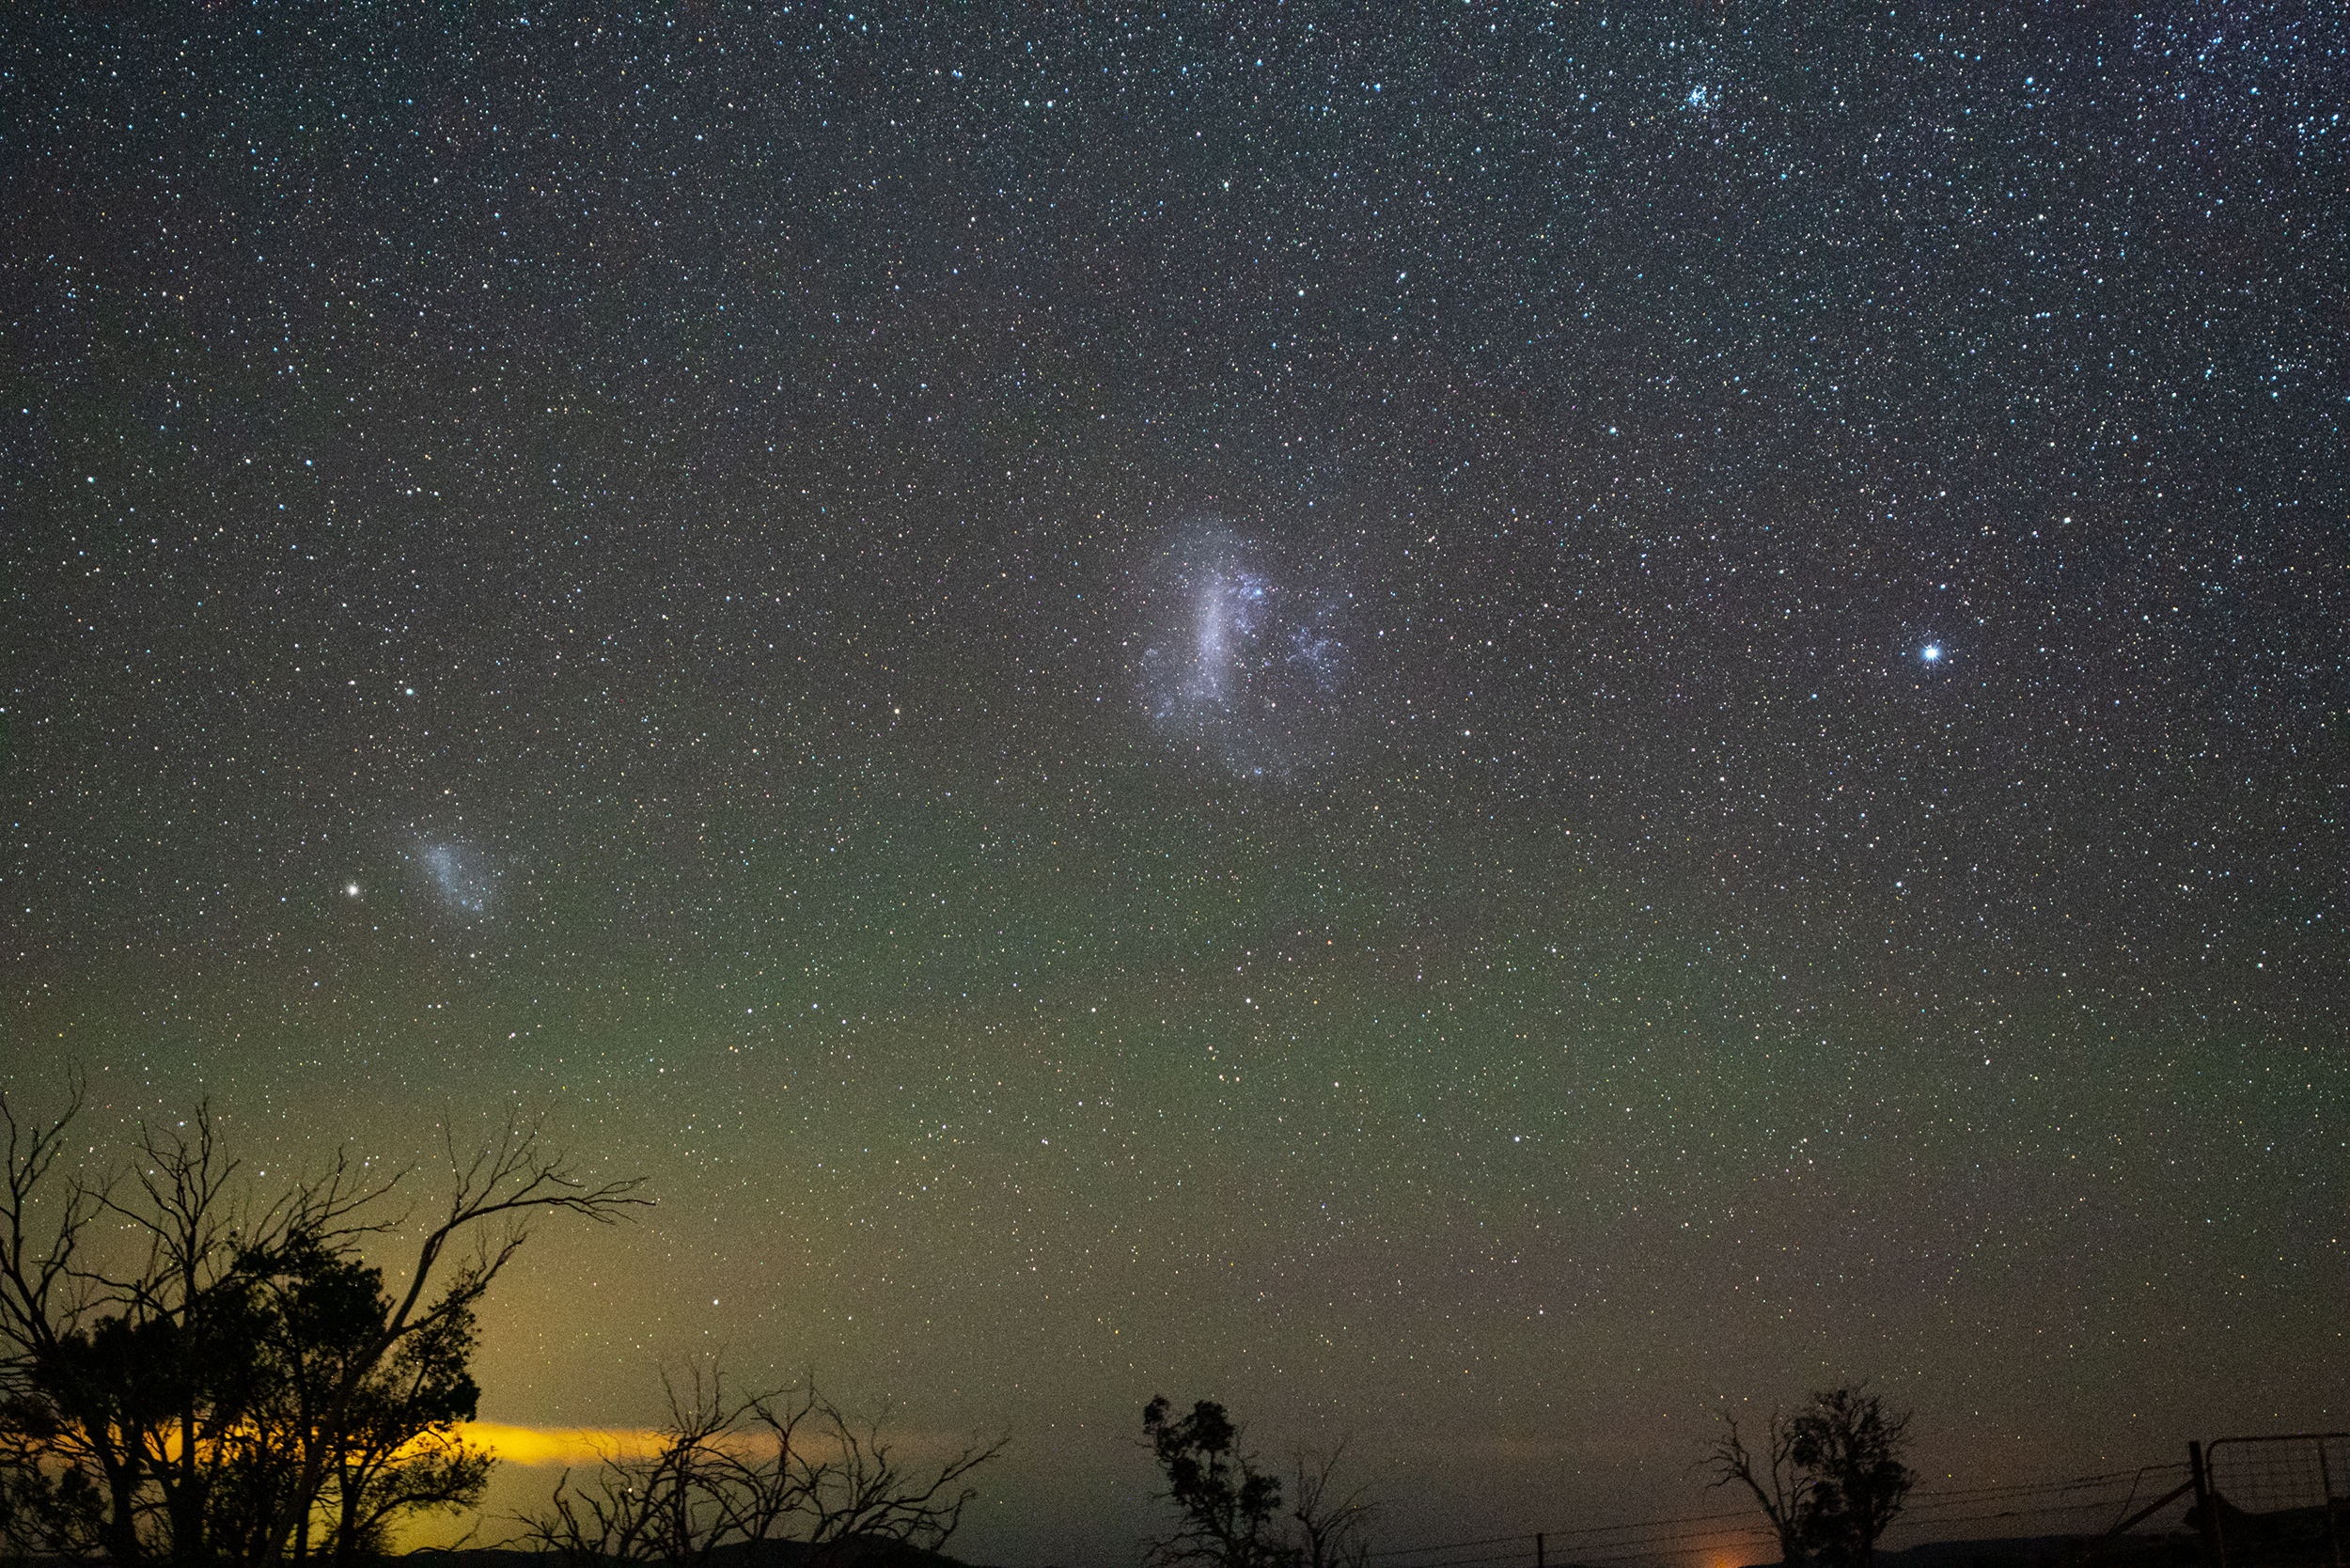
<point>733,1468</point>
<point>1333,1527</point>
<point>1829,1477</point>
<point>398,1449</point>
<point>1225,1501</point>
<point>235,1371</point>
<point>1784,1492</point>
<point>1851,1450</point>
<point>1227,1505</point>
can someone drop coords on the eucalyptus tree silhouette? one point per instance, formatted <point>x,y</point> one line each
<point>1226,1503</point>
<point>1228,1507</point>
<point>192,1370</point>
<point>1828,1477</point>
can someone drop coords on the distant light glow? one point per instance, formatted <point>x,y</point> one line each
<point>1932,653</point>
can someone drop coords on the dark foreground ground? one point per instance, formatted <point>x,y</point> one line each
<point>2175,1550</point>
<point>748,1554</point>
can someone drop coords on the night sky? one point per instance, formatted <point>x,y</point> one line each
<point>1476,728</point>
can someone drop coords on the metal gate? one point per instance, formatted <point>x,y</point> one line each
<point>2281,1501</point>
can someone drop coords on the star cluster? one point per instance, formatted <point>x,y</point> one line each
<point>1475,727</point>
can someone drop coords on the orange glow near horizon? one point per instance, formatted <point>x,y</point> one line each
<point>583,1448</point>
<point>571,1446</point>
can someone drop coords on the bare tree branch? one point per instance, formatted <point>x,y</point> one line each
<point>512,1179</point>
<point>1333,1528</point>
<point>787,1464</point>
<point>1783,1491</point>
<point>37,1273</point>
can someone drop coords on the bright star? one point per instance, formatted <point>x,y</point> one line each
<point>352,889</point>
<point>1930,653</point>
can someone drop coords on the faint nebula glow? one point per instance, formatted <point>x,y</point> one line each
<point>462,878</point>
<point>1248,655</point>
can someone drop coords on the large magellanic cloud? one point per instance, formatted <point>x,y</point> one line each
<point>1250,657</point>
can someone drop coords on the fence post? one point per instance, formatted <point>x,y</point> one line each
<point>1538,1550</point>
<point>2205,1512</point>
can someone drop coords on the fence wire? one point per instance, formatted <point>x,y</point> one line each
<point>2078,1505</point>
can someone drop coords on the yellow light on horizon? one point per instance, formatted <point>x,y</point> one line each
<point>553,1446</point>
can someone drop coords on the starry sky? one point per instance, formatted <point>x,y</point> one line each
<point>1474,729</point>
